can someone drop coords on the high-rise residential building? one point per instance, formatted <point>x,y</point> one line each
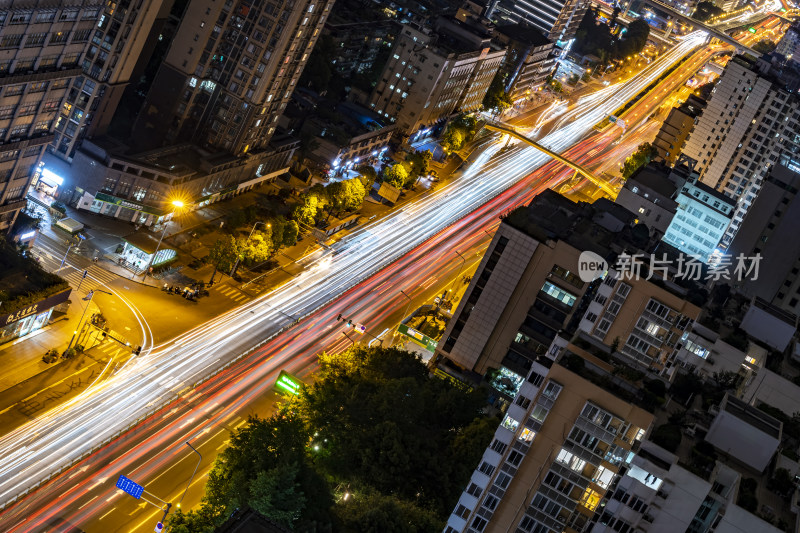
<point>530,59</point>
<point>789,45</point>
<point>750,120</point>
<point>658,495</point>
<point>700,222</point>
<point>770,230</point>
<point>558,20</point>
<point>527,286</point>
<point>63,69</point>
<point>430,75</point>
<point>671,138</point>
<point>561,444</point>
<point>229,73</point>
<point>357,44</point>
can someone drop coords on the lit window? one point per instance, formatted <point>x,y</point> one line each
<point>527,435</point>
<point>590,499</point>
<point>510,424</point>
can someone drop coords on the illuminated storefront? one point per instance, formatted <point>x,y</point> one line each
<point>35,316</point>
<point>48,182</point>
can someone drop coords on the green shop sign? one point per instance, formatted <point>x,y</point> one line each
<point>423,340</point>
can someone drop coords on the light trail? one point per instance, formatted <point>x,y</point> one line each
<point>65,435</point>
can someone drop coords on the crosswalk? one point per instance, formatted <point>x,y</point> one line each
<point>112,348</point>
<point>231,292</point>
<point>92,275</point>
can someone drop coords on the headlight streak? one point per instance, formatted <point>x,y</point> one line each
<point>66,433</point>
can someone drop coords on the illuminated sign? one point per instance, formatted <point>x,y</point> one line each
<point>26,236</point>
<point>288,384</point>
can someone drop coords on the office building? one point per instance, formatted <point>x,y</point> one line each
<point>658,495</point>
<point>789,45</point>
<point>701,220</point>
<point>556,452</point>
<point>527,286</point>
<point>431,75</point>
<point>671,138</point>
<point>750,120</point>
<point>64,67</point>
<point>530,59</point>
<point>229,74</point>
<point>770,229</point>
<point>558,20</point>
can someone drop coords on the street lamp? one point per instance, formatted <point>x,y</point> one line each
<point>238,256</point>
<point>87,298</point>
<point>177,204</point>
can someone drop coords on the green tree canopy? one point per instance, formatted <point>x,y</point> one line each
<point>497,97</point>
<point>644,153</point>
<point>306,212</point>
<point>258,248</point>
<point>453,139</point>
<point>290,233</point>
<point>345,195</point>
<point>374,432</point>
<point>223,253</point>
<point>396,175</point>
<point>419,161</point>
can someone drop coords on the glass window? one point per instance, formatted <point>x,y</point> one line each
<point>559,294</point>
<point>510,424</point>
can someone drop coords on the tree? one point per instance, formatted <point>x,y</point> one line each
<point>319,72</point>
<point>368,176</point>
<point>764,46</point>
<point>668,436</point>
<point>290,232</point>
<point>396,175</point>
<point>497,97</point>
<point>346,195</point>
<point>223,254</point>
<point>644,153</point>
<point>306,212</point>
<point>419,161</point>
<point>258,248</point>
<point>278,495</point>
<point>453,139</point>
<point>705,10</point>
<point>375,513</point>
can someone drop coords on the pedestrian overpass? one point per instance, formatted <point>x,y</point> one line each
<point>505,128</point>
<point>721,35</point>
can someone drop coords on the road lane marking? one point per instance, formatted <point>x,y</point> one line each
<point>87,503</point>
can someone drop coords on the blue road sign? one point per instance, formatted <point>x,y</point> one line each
<point>129,486</point>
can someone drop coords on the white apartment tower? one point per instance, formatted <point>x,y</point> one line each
<point>750,120</point>
<point>558,20</point>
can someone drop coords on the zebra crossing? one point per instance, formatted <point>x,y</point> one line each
<point>92,275</point>
<point>111,348</point>
<point>230,292</point>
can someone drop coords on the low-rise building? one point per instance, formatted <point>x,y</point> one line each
<point>772,389</point>
<point>139,188</point>
<point>769,324</point>
<point>675,129</point>
<point>347,136</point>
<point>701,220</point>
<point>650,195</point>
<point>745,433</point>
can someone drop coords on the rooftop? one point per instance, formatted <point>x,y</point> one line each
<point>752,416</point>
<point>654,176</point>
<point>524,34</point>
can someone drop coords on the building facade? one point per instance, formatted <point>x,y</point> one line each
<point>63,68</point>
<point>751,120</point>
<point>530,59</point>
<point>553,457</point>
<point>429,78</point>
<point>769,230</point>
<point>650,194</point>
<point>671,138</point>
<point>356,44</point>
<point>558,20</point>
<point>701,220</point>
<point>229,74</point>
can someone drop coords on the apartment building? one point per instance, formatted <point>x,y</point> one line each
<point>430,75</point>
<point>558,20</point>
<point>555,454</point>
<point>527,286</point>
<point>769,229</point>
<point>63,68</point>
<point>530,59</point>
<point>658,495</point>
<point>357,44</point>
<point>640,319</point>
<point>703,216</point>
<point>671,137</point>
<point>750,120</point>
<point>229,74</point>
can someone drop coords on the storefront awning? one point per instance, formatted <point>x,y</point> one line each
<point>145,242</point>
